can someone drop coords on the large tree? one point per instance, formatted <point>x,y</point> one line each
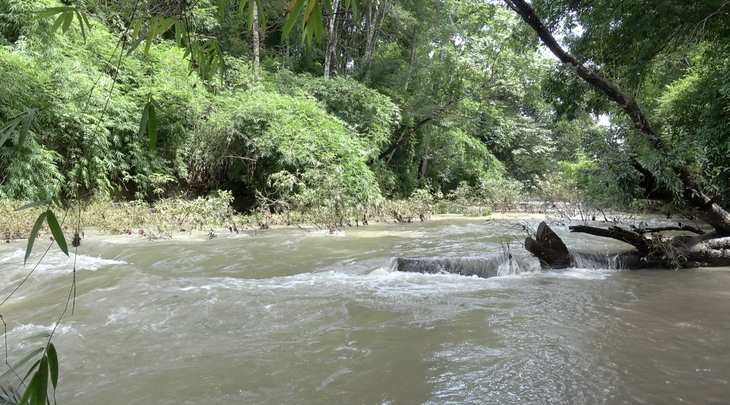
<point>666,24</point>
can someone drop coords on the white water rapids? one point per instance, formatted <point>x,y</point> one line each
<point>290,317</point>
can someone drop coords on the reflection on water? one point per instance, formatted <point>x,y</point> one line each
<point>287,317</point>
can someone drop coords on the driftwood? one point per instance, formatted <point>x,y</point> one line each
<point>682,251</point>
<point>549,248</point>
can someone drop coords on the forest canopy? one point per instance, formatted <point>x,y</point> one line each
<point>380,98</point>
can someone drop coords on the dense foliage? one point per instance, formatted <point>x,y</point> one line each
<point>395,97</point>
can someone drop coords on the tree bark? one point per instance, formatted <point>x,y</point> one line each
<point>256,40</point>
<point>332,36</point>
<point>374,18</point>
<point>707,209</point>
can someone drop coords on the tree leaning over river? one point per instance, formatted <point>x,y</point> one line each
<point>679,186</point>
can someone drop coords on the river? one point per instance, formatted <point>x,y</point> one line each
<point>293,317</point>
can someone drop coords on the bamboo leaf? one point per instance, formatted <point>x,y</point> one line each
<point>32,368</point>
<point>262,15</point>
<point>81,24</point>
<point>53,364</point>
<point>292,4</point>
<point>295,7</point>
<point>67,21</point>
<point>31,387</point>
<point>316,23</point>
<point>33,234</point>
<point>8,129</point>
<point>152,125</point>
<point>52,11</point>
<point>241,5</point>
<point>220,4</point>
<point>57,232</point>
<point>310,10</point>
<point>251,8</point>
<point>27,121</point>
<point>41,387</point>
<point>145,118</point>
<point>21,363</point>
<point>179,26</point>
<point>34,204</point>
<point>148,42</point>
<point>57,23</point>
<point>135,44</point>
<point>86,20</point>
<point>136,29</point>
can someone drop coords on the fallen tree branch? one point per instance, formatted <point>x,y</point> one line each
<point>632,238</point>
<point>687,228</point>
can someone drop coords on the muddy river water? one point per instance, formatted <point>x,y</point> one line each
<point>292,317</point>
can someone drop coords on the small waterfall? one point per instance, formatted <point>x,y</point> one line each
<point>605,260</point>
<point>483,267</point>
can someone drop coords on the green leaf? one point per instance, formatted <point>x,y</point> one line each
<point>27,121</point>
<point>152,124</point>
<point>57,23</point>
<point>8,129</point>
<point>41,386</point>
<point>86,21</point>
<point>251,8</point>
<point>31,369</point>
<point>67,21</point>
<point>81,23</point>
<point>21,363</point>
<point>222,10</point>
<point>40,335</point>
<point>148,42</point>
<point>33,234</point>
<point>241,5</point>
<point>292,14</point>
<point>57,232</point>
<point>52,11</point>
<point>53,364</point>
<point>145,118</point>
<point>179,27</point>
<point>31,387</point>
<point>315,22</point>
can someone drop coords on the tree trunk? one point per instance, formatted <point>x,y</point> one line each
<point>332,36</point>
<point>373,20</point>
<point>705,207</point>
<point>256,41</point>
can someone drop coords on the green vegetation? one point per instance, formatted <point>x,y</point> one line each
<point>154,117</point>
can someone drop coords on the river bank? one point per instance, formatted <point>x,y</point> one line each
<point>213,216</point>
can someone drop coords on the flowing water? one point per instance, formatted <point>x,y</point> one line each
<point>293,317</point>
